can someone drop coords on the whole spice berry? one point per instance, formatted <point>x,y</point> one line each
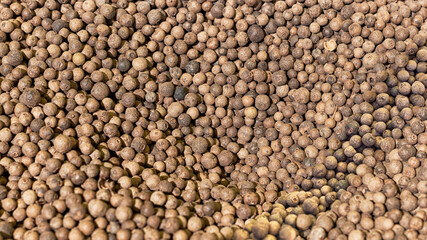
<point>255,33</point>
<point>6,229</point>
<point>200,145</point>
<point>209,160</point>
<point>63,144</point>
<point>30,97</point>
<point>14,57</point>
<point>100,91</point>
<point>154,16</point>
<point>226,158</point>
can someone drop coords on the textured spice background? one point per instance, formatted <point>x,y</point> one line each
<point>194,119</point>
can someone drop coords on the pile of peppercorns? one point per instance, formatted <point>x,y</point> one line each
<point>204,119</point>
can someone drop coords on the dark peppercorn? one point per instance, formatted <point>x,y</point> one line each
<point>123,65</point>
<point>193,67</point>
<point>180,93</point>
<point>255,33</point>
<point>59,24</point>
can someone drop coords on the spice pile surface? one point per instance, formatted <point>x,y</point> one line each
<point>194,119</point>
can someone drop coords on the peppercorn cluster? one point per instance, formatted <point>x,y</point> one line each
<point>213,119</point>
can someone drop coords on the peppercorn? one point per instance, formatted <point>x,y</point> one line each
<point>260,228</point>
<point>123,65</point>
<point>154,16</point>
<point>30,97</point>
<point>193,67</point>
<point>63,144</point>
<point>226,158</point>
<point>255,33</point>
<point>209,160</point>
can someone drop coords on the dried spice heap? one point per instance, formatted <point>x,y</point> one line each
<point>194,119</point>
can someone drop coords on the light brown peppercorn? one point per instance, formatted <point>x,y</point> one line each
<point>209,160</point>
<point>226,158</point>
<point>100,91</point>
<point>63,144</point>
<point>200,145</point>
<point>195,224</point>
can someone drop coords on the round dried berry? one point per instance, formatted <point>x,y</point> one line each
<point>256,33</point>
<point>30,97</point>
